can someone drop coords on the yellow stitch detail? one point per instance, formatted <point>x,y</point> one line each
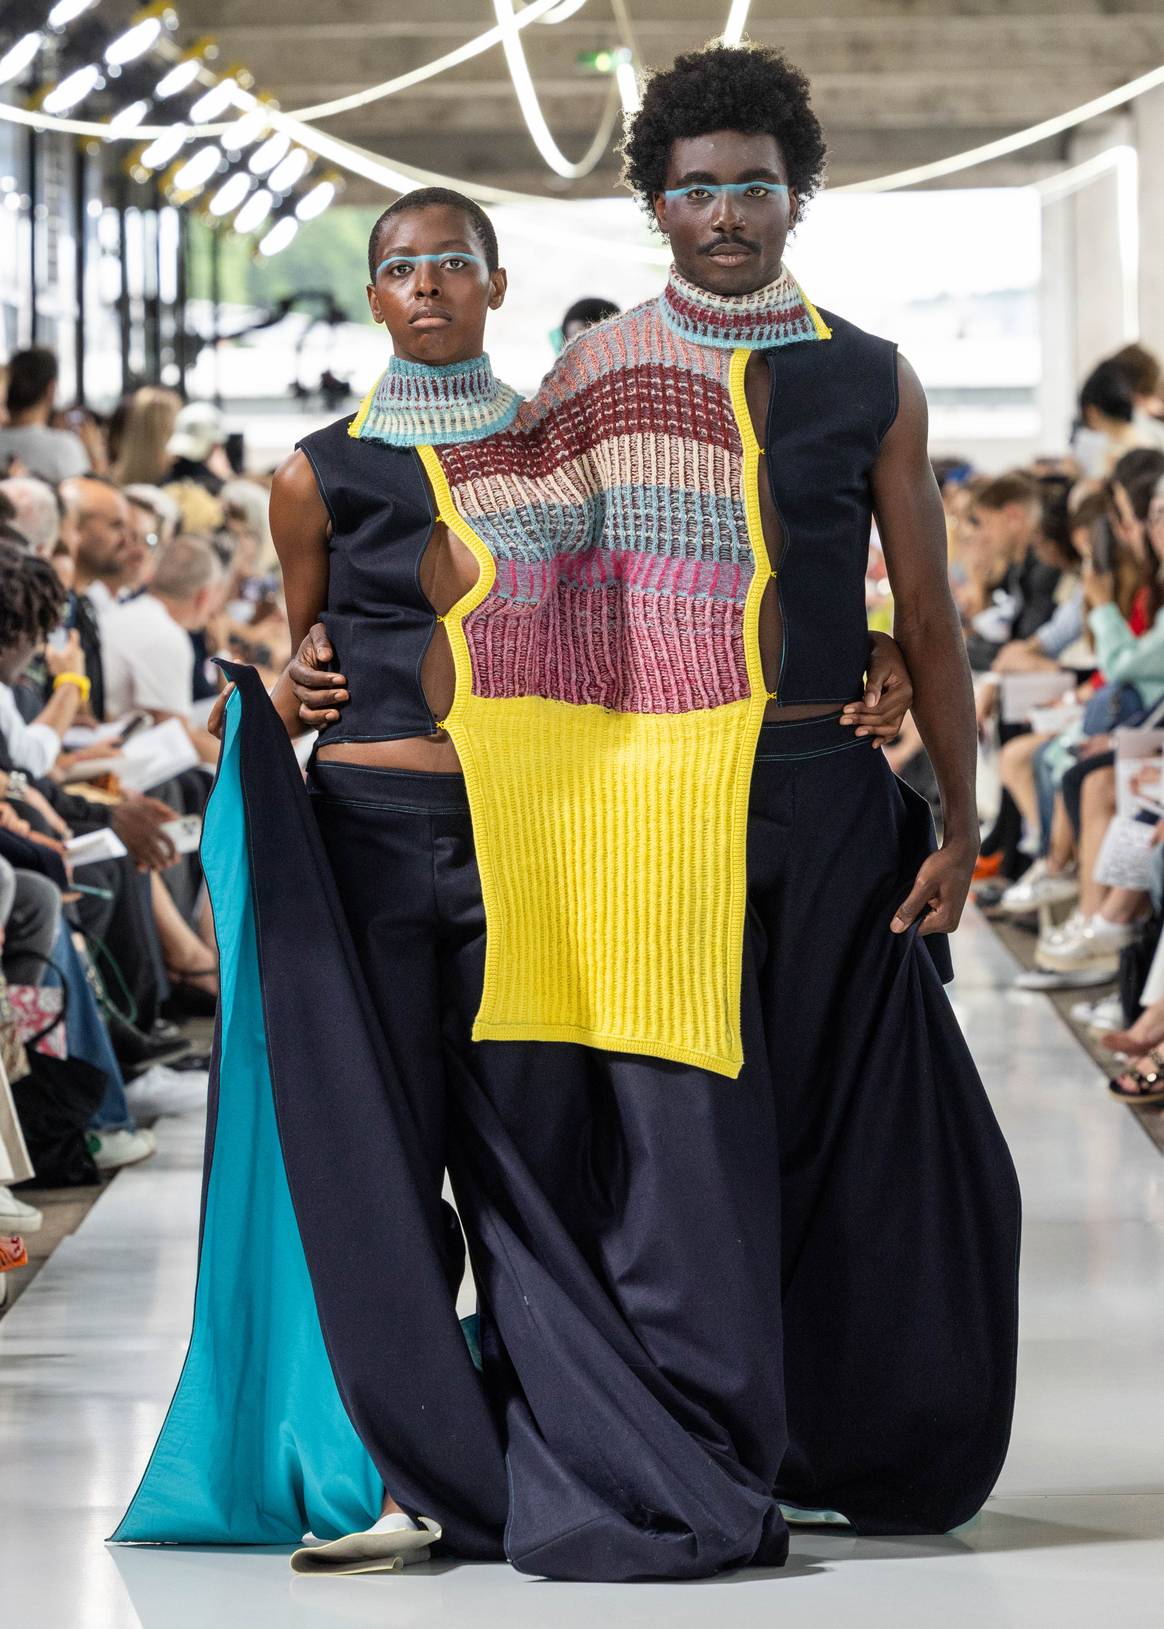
<point>365,408</point>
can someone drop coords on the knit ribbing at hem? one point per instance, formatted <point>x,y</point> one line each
<point>711,1062</point>
<point>608,874</point>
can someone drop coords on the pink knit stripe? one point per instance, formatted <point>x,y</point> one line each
<point>631,651</point>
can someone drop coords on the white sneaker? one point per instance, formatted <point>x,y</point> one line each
<point>1100,1016</point>
<point>167,1091</point>
<point>1065,933</point>
<point>1096,944</point>
<point>16,1216</point>
<point>113,1149</point>
<point>1081,979</point>
<point>1039,886</point>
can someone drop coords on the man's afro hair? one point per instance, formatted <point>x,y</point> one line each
<point>724,87</point>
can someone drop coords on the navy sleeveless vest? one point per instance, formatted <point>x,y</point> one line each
<point>830,405</point>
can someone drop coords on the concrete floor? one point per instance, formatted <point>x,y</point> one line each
<point>1073,1536</point>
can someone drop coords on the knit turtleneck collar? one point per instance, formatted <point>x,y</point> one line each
<point>415,405</point>
<point>778,314</point>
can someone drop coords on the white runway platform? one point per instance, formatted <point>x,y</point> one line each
<point>1073,1537</point>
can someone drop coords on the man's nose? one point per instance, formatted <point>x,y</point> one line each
<point>427,282</point>
<point>727,216</point>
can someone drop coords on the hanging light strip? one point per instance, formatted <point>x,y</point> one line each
<point>974,156</point>
<point>733,29</point>
<point>531,108</point>
<point>534,12</point>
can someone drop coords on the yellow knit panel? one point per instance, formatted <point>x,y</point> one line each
<point>613,919</point>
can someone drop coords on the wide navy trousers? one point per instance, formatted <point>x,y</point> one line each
<point>700,1298</point>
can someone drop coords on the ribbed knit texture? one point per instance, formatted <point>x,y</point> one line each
<point>610,692</point>
<point>778,314</point>
<point>413,404</point>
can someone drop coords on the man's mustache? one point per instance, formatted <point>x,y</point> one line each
<point>730,243</point>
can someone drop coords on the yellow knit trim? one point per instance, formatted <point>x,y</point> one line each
<point>454,617</point>
<point>362,411</point>
<point>823,330</point>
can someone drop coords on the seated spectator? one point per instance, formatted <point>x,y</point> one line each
<point>36,512</point>
<point>1007,516</point>
<point>149,660</point>
<point>31,601</point>
<point>96,527</point>
<point>142,427</point>
<point>1142,368</point>
<point>53,455</point>
<point>1107,414</point>
<point>197,449</point>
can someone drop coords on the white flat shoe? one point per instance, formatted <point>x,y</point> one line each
<point>378,1549</point>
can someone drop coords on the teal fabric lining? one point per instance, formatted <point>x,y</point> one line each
<point>256,1446</point>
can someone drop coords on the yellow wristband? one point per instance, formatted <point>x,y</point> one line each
<point>79,679</point>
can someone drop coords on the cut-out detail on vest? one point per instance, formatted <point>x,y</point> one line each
<point>446,572</point>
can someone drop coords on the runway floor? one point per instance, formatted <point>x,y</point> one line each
<point>1074,1534</point>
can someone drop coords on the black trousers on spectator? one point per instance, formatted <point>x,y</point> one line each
<point>121,929</point>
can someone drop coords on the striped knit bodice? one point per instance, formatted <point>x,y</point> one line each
<point>610,691</point>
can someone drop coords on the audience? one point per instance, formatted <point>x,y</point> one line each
<point>28,437</point>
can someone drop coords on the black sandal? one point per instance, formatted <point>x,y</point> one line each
<point>1149,1083</point>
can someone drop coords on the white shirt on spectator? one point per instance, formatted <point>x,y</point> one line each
<point>34,748</point>
<point>101,598</point>
<point>147,658</point>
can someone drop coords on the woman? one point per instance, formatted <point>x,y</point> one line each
<point>366,974</point>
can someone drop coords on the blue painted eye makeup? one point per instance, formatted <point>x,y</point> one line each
<point>415,260</point>
<point>726,186</point>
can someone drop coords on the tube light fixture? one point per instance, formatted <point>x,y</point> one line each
<point>73,89</point>
<point>279,236</point>
<point>289,170</point>
<point>254,212</point>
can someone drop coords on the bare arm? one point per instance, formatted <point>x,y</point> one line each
<point>927,627</point>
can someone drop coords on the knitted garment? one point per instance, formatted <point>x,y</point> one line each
<point>778,314</point>
<point>413,404</point>
<point>609,686</point>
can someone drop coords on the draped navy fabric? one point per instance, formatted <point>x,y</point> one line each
<point>699,1299</point>
<point>294,1408</point>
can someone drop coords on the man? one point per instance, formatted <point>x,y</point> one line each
<point>51,454</point>
<point>197,448</point>
<point>96,526</point>
<point>149,659</point>
<point>36,512</point>
<point>842,1327</point>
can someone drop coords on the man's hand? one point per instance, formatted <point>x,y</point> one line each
<point>138,822</point>
<point>888,693</point>
<point>319,692</point>
<point>943,881</point>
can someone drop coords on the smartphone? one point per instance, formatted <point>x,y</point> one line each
<point>139,721</point>
<point>1102,544</point>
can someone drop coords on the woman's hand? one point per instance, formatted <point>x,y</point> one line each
<point>1098,586</point>
<point>888,693</point>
